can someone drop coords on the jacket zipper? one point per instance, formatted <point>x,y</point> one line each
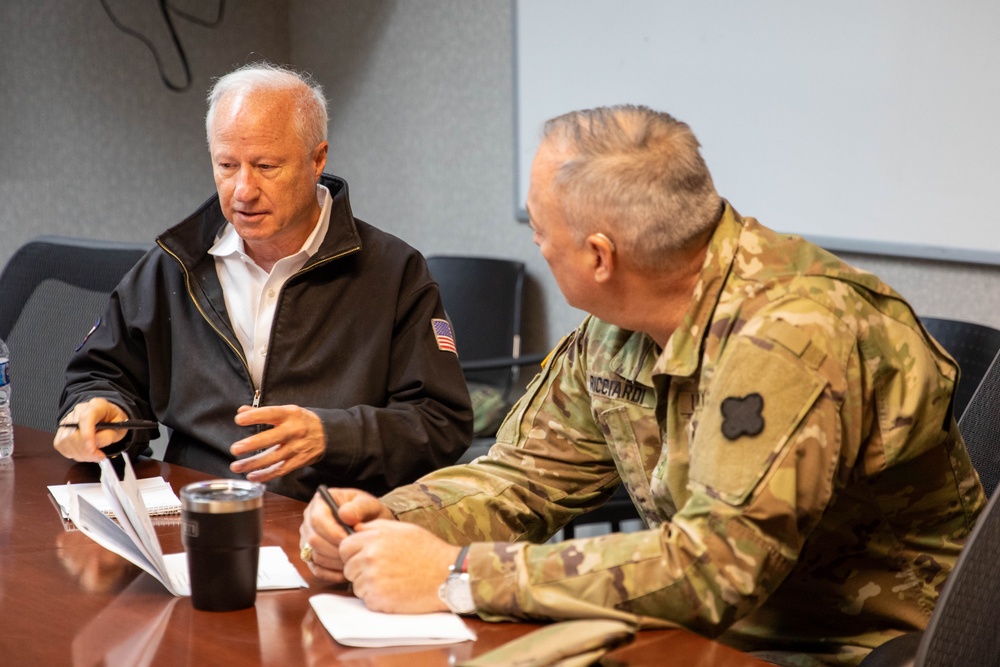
<point>257,391</point>
<point>236,350</point>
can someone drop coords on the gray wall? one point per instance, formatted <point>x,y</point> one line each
<point>91,142</point>
<point>422,127</point>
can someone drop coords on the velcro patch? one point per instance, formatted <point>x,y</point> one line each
<point>729,468</point>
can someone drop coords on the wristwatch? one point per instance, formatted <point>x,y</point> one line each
<point>456,591</point>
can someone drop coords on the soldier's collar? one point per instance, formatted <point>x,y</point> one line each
<point>635,359</point>
<point>682,354</point>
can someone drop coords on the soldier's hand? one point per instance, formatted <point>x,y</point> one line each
<point>321,535</point>
<point>397,567</point>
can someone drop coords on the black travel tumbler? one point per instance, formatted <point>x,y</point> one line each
<point>222,526</point>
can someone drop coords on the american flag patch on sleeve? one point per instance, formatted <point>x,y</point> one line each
<point>442,333</point>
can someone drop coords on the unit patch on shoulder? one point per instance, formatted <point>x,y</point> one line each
<point>742,416</point>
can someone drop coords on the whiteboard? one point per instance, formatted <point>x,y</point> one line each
<point>864,125</point>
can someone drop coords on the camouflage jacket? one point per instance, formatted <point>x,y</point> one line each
<point>792,452</point>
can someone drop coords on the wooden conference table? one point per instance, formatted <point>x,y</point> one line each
<point>65,600</point>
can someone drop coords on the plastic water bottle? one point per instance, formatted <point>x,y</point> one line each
<point>6,424</point>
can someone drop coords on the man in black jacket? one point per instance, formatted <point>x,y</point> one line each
<point>276,335</point>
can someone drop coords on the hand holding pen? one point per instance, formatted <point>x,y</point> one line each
<point>96,429</point>
<point>124,425</point>
<point>334,508</point>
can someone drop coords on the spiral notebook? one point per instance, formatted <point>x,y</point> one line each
<point>159,498</point>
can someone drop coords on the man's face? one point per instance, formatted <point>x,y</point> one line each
<point>566,257</point>
<point>265,176</point>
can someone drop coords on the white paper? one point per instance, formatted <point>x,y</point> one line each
<point>274,571</point>
<point>157,495</point>
<point>126,501</point>
<point>97,526</point>
<point>134,538</point>
<point>353,624</point>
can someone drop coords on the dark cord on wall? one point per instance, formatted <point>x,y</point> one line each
<point>166,9</point>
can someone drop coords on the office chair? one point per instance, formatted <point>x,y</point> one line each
<point>52,291</point>
<point>980,427</point>
<point>964,630</point>
<point>972,345</point>
<point>482,297</point>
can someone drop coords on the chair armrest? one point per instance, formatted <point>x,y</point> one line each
<point>502,362</point>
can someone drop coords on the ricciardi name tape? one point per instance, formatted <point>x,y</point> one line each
<point>623,390</point>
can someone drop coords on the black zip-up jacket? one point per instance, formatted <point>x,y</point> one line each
<point>352,341</point>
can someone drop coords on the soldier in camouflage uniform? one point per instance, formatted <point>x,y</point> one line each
<point>781,421</point>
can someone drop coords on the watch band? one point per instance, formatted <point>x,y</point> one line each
<point>456,591</point>
<point>461,564</point>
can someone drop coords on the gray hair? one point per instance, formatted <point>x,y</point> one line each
<point>310,114</point>
<point>636,174</point>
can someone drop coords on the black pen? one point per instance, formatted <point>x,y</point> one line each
<point>127,425</point>
<point>325,493</point>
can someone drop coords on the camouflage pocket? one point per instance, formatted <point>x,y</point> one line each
<point>756,401</point>
<point>626,451</point>
<point>509,432</point>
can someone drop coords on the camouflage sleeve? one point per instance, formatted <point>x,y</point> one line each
<point>549,464</point>
<point>778,431</point>
<point>753,496</point>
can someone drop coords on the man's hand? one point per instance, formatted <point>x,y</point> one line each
<point>297,440</point>
<point>84,442</point>
<point>393,566</point>
<point>321,532</point>
<point>397,567</point>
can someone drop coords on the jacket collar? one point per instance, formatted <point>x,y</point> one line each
<point>190,240</point>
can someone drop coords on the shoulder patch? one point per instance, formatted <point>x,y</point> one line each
<point>89,333</point>
<point>563,343</point>
<point>443,336</point>
<point>753,407</point>
<point>742,416</point>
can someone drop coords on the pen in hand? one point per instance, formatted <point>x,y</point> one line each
<point>332,504</point>
<point>127,425</point>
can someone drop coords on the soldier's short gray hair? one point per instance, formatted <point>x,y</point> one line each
<point>311,114</point>
<point>637,174</point>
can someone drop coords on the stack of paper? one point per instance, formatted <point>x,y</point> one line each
<point>157,496</point>
<point>353,624</point>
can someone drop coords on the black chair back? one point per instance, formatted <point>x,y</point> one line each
<point>52,291</point>
<point>980,427</point>
<point>965,626</point>
<point>482,296</point>
<point>972,345</point>
<point>483,299</point>
<point>964,630</point>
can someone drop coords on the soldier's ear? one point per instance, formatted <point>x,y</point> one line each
<point>602,251</point>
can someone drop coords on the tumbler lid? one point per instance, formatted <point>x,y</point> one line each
<point>222,496</point>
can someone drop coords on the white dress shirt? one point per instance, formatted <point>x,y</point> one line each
<point>251,293</point>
